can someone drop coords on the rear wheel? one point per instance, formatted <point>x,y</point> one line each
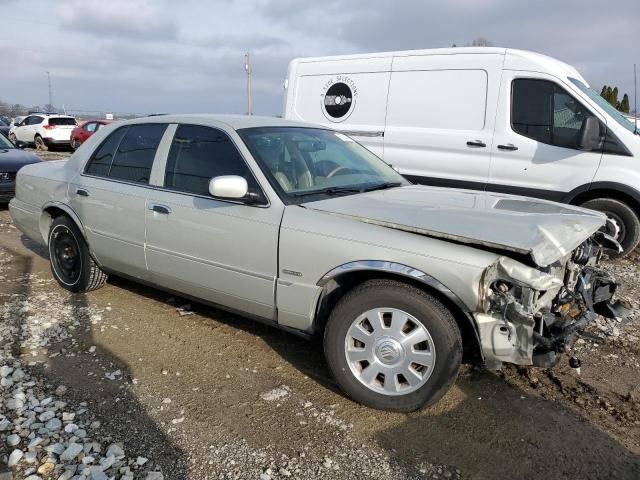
<point>71,262</point>
<point>626,225</point>
<point>392,346</point>
<point>40,145</point>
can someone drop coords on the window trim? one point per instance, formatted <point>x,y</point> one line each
<point>235,145</point>
<point>577,99</point>
<point>163,162</point>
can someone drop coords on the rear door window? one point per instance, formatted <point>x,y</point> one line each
<point>128,153</point>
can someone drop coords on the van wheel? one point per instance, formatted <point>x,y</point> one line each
<point>40,145</point>
<point>71,262</point>
<point>626,220</point>
<point>392,346</point>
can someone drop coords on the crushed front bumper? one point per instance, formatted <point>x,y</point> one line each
<point>539,331</point>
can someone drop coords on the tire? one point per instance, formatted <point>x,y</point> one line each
<point>71,263</point>
<point>12,137</point>
<point>443,346</point>
<point>74,144</point>
<point>626,219</point>
<point>40,145</point>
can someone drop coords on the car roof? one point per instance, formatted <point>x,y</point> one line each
<point>236,122</point>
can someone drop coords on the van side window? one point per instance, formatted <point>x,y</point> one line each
<point>545,112</point>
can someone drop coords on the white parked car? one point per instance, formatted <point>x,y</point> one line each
<point>492,119</point>
<point>305,229</point>
<point>44,130</point>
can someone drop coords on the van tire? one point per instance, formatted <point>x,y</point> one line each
<point>83,274</point>
<point>437,320</point>
<point>626,219</point>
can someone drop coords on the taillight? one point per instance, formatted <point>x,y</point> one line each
<point>49,127</point>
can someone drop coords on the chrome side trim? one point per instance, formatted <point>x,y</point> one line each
<point>362,133</point>
<point>395,268</point>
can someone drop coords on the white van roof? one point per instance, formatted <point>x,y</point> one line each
<point>514,59</point>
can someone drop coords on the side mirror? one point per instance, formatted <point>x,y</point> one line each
<point>589,138</point>
<point>20,144</point>
<point>228,186</point>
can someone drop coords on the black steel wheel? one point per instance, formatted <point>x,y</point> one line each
<point>71,262</point>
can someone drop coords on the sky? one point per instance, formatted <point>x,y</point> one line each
<point>178,56</point>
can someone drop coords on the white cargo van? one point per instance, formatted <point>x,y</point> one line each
<point>482,118</point>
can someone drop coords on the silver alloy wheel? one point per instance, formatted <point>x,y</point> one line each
<point>390,351</point>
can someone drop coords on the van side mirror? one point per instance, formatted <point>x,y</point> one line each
<point>229,186</point>
<point>589,138</point>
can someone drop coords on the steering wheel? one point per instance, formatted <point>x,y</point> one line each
<point>336,170</point>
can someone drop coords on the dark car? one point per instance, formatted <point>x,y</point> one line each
<point>12,158</point>
<point>4,127</point>
<point>85,130</point>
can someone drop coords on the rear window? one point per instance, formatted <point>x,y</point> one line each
<point>62,121</point>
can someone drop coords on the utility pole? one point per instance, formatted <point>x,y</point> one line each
<point>50,90</point>
<point>247,69</point>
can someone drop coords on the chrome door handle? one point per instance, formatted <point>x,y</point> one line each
<point>476,143</point>
<point>82,192</point>
<point>160,208</point>
<point>508,147</point>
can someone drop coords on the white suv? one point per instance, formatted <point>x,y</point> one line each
<point>44,130</point>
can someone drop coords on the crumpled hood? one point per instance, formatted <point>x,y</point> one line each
<point>545,230</point>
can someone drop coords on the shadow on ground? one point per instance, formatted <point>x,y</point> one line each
<point>122,416</point>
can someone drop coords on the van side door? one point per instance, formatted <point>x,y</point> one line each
<point>440,117</point>
<point>536,149</point>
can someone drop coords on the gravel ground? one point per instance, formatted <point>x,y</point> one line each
<point>129,382</point>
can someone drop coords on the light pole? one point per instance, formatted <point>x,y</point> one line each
<point>50,90</point>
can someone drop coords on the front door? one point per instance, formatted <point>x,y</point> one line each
<point>535,149</point>
<point>221,251</point>
<point>110,196</point>
<point>26,132</point>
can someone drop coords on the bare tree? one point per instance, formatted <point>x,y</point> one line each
<point>480,42</point>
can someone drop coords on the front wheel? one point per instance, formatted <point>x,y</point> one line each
<point>12,137</point>
<point>71,262</point>
<point>392,346</point>
<point>625,221</point>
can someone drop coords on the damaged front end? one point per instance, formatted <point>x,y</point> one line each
<point>530,316</point>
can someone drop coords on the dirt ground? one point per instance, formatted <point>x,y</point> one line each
<point>203,394</point>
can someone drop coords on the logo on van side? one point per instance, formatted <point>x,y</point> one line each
<point>338,98</point>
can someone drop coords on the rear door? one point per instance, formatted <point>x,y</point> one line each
<point>347,95</point>
<point>440,117</point>
<point>110,196</point>
<point>536,148</point>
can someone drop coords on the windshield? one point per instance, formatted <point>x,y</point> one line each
<point>5,143</point>
<point>63,121</point>
<point>303,161</point>
<point>606,106</point>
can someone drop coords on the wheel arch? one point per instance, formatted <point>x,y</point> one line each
<point>52,210</point>
<point>337,282</point>
<point>617,191</point>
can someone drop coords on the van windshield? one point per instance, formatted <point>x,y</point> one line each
<point>606,106</point>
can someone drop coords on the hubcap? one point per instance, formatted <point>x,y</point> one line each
<point>390,351</point>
